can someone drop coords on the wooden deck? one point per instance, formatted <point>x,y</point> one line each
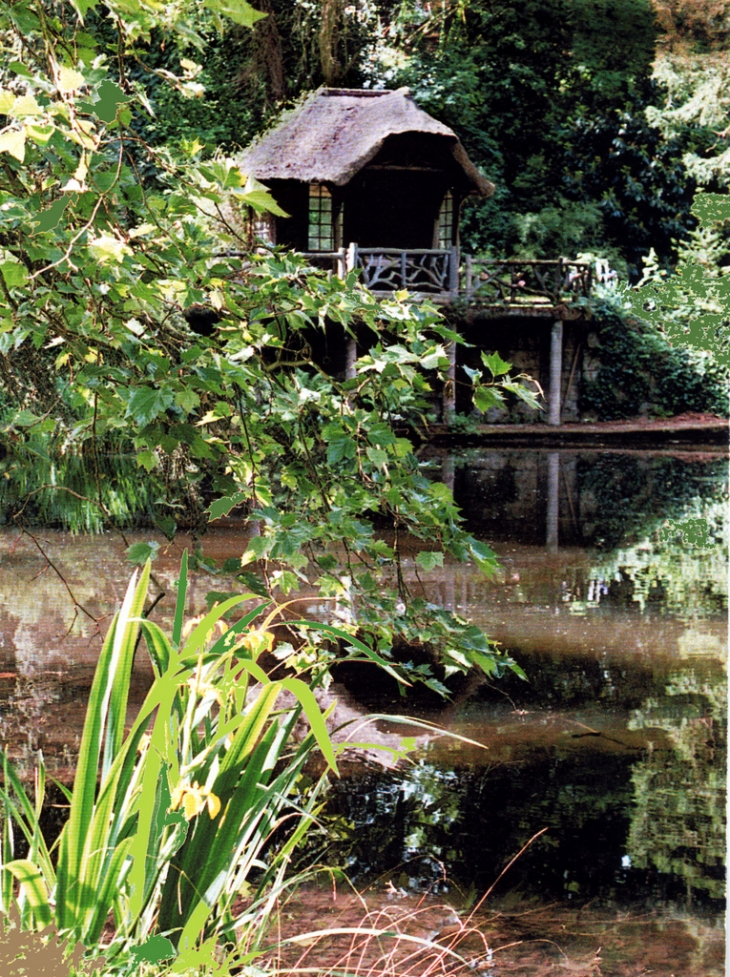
<point>549,289</point>
<point>552,291</point>
<point>695,432</point>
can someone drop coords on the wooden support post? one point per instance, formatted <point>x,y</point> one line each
<point>449,396</point>
<point>556,372</point>
<point>553,502</point>
<point>341,263</point>
<point>350,358</point>
<point>351,341</point>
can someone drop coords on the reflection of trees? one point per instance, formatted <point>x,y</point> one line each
<point>678,823</point>
<point>425,821</point>
<point>663,570</point>
<point>69,489</point>
<point>624,496</point>
<point>604,500</point>
<point>404,821</point>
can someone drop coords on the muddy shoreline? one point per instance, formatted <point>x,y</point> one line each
<point>694,432</point>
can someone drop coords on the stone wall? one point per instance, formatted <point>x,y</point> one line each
<point>525,342</point>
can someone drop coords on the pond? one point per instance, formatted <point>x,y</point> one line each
<point>608,763</point>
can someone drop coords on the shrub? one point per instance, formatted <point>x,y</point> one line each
<point>640,372</point>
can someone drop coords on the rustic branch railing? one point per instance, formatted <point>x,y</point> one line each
<point>439,272</point>
<point>524,283</point>
<point>433,271</point>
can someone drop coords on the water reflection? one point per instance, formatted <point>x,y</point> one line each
<point>616,744</point>
<point>633,804</point>
<point>81,492</point>
<point>678,819</point>
<point>599,499</point>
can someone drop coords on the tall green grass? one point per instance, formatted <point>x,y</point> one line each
<point>170,818</point>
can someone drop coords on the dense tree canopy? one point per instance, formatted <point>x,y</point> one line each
<point>595,123</point>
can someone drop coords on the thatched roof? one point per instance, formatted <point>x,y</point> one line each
<point>335,132</point>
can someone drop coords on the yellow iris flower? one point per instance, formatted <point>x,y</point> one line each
<point>194,798</point>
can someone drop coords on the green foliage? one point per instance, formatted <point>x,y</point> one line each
<point>490,392</point>
<point>549,100</point>
<point>99,268</point>
<point>665,345</point>
<point>224,98</point>
<point>691,307</point>
<point>640,372</point>
<point>696,106</point>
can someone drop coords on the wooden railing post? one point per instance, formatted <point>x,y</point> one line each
<point>341,263</point>
<point>454,271</point>
<point>468,276</point>
<point>352,256</point>
<point>403,267</point>
<point>560,283</point>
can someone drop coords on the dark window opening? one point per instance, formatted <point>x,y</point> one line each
<point>324,220</point>
<point>445,230</point>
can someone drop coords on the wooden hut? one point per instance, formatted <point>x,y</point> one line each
<point>369,181</point>
<point>363,167</point>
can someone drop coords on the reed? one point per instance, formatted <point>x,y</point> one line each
<point>169,819</point>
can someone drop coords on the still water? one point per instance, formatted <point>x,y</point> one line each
<point>612,596</point>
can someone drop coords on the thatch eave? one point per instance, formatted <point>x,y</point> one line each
<point>335,133</point>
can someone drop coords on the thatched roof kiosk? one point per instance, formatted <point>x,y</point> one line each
<point>369,167</point>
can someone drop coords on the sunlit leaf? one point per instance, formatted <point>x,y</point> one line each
<point>106,248</point>
<point>495,364</point>
<point>238,10</point>
<point>69,79</point>
<point>14,273</point>
<point>12,142</point>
